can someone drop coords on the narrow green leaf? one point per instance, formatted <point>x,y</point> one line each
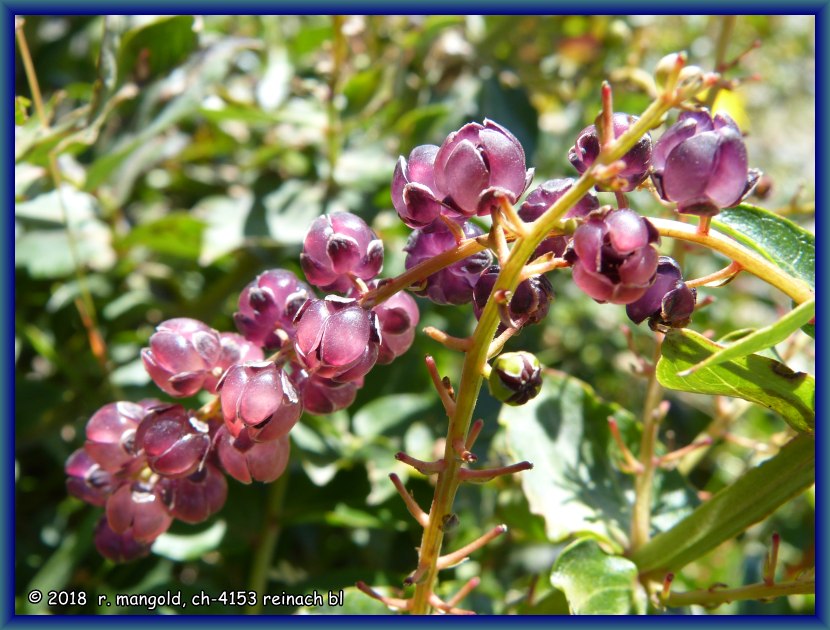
<point>760,339</point>
<point>594,582</point>
<point>154,48</point>
<point>386,412</point>
<point>781,241</point>
<point>177,234</point>
<point>192,546</point>
<point>753,378</point>
<point>753,497</point>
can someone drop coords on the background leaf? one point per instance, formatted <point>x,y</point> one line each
<point>596,583</point>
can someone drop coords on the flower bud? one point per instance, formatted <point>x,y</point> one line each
<point>668,302</point>
<point>637,161</point>
<point>414,193</point>
<point>477,164</point>
<point>174,441</point>
<point>515,378</point>
<point>181,356</point>
<point>530,301</point>
<point>700,162</point>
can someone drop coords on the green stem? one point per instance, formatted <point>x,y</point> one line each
<point>797,289</point>
<point>641,518</point>
<point>727,26</point>
<point>761,590</point>
<point>268,542</point>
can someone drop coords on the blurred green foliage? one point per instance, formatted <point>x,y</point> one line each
<point>194,151</point>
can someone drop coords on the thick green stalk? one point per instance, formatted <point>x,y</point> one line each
<point>761,590</point>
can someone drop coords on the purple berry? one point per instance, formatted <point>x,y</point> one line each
<point>181,355</point>
<point>138,506</point>
<point>175,442</point>
<point>637,160</point>
<point>337,338</point>
<point>543,197</point>
<point>267,307</point>
<point>398,316</point>
<point>110,433</point>
<point>668,302</point>
<point>86,480</point>
<point>121,547</point>
<point>322,396</point>
<point>414,193</point>
<point>259,396</point>
<point>246,460</point>
<point>529,304</point>
<point>453,284</point>
<point>700,162</point>
<point>338,246</point>
<point>613,256</point>
<point>197,497</point>
<point>477,164</point>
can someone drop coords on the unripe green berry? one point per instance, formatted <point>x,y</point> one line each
<point>515,378</point>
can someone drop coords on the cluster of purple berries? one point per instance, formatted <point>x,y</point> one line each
<point>150,462</point>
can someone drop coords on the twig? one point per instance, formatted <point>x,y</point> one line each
<point>454,558</point>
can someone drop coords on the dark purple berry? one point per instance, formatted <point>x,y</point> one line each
<point>337,338</point>
<point>529,304</point>
<point>668,302</point>
<point>613,256</point>
<point>637,160</point>
<point>247,461</point>
<point>259,396</point>
<point>181,355</point>
<point>477,164</point>
<point>197,497</point>
<point>174,440</point>
<point>121,547</point>
<point>267,307</point>
<point>701,163</point>
<point>398,316</point>
<point>338,246</point>
<point>452,284</point>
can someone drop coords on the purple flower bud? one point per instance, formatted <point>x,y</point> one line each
<point>637,160</point>
<point>613,256</point>
<point>86,479</point>
<point>246,460</point>
<point>700,162</point>
<point>339,245</point>
<point>181,355</point>
<point>668,302</point>
<point>453,284</point>
<point>267,307</point>
<point>259,396</point>
<point>174,441</point>
<point>529,304</point>
<point>413,188</point>
<point>543,197</point>
<point>397,317</point>
<point>478,163</point>
<point>118,547</point>
<point>337,338</point>
<point>138,506</point>
<point>197,497</point>
<point>322,396</point>
<point>515,378</point>
<point>110,433</point>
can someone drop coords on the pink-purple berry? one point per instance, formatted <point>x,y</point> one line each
<point>267,307</point>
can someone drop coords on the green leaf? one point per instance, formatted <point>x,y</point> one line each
<point>152,49</point>
<point>753,378</point>
<point>779,240</point>
<point>753,497</point>
<point>760,339</point>
<point>575,484</point>
<point>21,105</point>
<point>191,547</point>
<point>177,234</point>
<point>386,412</point>
<point>594,582</point>
<point>355,602</point>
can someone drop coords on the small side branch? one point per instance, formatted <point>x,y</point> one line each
<point>442,386</point>
<point>444,607</point>
<point>458,556</point>
<point>414,509</point>
<point>488,474</point>
<point>394,603</point>
<point>453,343</point>
<point>425,468</point>
<point>721,277</point>
<point>464,591</point>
